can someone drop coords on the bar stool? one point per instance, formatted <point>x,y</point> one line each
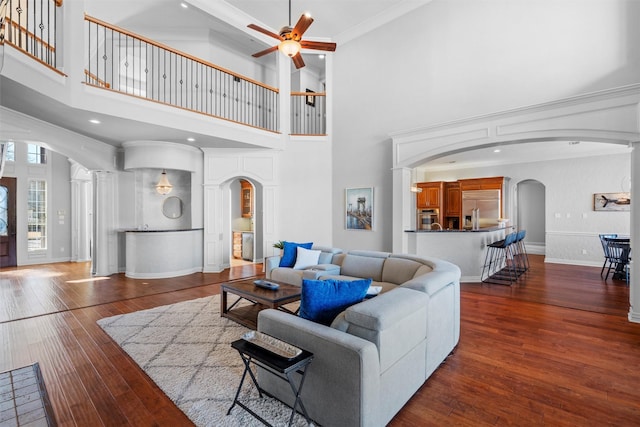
<point>520,252</point>
<point>499,263</point>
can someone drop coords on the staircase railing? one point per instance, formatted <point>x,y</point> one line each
<point>308,113</point>
<point>31,26</point>
<point>128,63</point>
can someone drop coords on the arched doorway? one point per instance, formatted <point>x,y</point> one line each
<point>530,214</point>
<point>246,223</point>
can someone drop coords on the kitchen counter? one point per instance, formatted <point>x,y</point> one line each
<point>465,248</point>
<point>446,230</point>
<point>155,254</point>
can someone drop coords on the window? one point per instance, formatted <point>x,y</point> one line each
<point>37,215</point>
<point>36,154</point>
<point>10,149</point>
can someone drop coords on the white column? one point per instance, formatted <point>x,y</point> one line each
<point>213,239</point>
<point>403,215</point>
<point>81,220</point>
<point>284,82</point>
<point>105,253</point>
<point>634,284</point>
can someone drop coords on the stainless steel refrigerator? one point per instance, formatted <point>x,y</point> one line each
<point>488,204</point>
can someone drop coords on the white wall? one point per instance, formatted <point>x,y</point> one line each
<point>305,205</point>
<point>571,223</point>
<point>57,173</point>
<point>461,59</point>
<point>530,212</point>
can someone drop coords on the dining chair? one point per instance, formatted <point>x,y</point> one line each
<point>619,256</point>
<point>605,249</point>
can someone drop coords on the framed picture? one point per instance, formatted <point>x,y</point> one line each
<point>310,99</point>
<point>612,202</point>
<point>359,208</point>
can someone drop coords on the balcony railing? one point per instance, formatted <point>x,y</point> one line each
<point>308,113</point>
<point>128,63</point>
<point>31,26</point>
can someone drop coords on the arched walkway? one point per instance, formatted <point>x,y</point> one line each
<point>608,116</point>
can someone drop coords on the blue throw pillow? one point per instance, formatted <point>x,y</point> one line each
<point>290,251</point>
<point>322,300</point>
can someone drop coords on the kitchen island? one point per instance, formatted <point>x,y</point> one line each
<point>157,254</point>
<point>465,248</point>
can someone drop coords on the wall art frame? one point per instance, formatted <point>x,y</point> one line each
<point>615,202</point>
<point>359,208</point>
<point>310,99</point>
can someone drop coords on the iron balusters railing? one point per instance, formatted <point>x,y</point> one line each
<point>128,63</point>
<point>308,113</point>
<point>31,26</point>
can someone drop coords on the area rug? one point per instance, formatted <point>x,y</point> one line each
<point>186,350</point>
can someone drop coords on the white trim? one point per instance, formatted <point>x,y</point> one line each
<point>572,262</point>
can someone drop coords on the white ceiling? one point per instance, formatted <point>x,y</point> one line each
<point>334,20</point>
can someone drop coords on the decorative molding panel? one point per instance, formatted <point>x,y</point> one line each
<point>609,116</point>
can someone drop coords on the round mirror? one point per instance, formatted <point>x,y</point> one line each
<point>172,207</point>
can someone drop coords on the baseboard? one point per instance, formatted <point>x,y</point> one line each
<point>573,262</point>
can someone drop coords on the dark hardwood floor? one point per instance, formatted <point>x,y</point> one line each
<point>554,349</point>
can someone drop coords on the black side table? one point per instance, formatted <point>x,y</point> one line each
<point>277,365</point>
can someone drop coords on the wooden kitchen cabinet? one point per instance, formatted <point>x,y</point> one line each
<point>246,199</point>
<point>452,199</point>
<point>431,195</point>
<point>493,183</point>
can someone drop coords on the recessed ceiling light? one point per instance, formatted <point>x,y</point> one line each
<point>497,150</point>
<point>95,121</point>
<point>184,5</point>
<point>191,139</point>
<point>321,56</point>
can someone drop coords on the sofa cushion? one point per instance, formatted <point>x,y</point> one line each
<point>326,256</point>
<point>290,251</point>
<point>306,258</point>
<point>398,270</point>
<point>322,300</point>
<point>362,266</point>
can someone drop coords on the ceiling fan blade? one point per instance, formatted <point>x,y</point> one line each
<point>331,47</point>
<point>297,60</point>
<point>301,26</point>
<point>264,31</point>
<point>264,52</point>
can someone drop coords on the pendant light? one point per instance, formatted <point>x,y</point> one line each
<point>164,186</point>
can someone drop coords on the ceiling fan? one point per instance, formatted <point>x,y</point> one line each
<point>291,40</point>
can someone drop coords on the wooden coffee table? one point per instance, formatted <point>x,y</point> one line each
<point>259,298</point>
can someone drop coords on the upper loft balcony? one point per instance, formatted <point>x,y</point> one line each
<point>64,66</point>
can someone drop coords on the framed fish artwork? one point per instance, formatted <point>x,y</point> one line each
<point>620,202</point>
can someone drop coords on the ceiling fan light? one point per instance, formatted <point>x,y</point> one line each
<point>289,48</point>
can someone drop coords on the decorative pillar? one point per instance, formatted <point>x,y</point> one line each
<point>403,215</point>
<point>105,253</point>
<point>81,213</point>
<point>214,230</point>
<point>634,283</point>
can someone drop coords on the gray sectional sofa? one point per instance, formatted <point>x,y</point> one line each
<point>377,353</point>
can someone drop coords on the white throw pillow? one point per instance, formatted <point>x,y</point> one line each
<point>306,258</point>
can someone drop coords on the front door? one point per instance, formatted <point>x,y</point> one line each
<point>8,222</point>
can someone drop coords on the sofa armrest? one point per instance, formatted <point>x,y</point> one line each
<point>342,386</point>
<point>270,263</point>
<point>316,271</point>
